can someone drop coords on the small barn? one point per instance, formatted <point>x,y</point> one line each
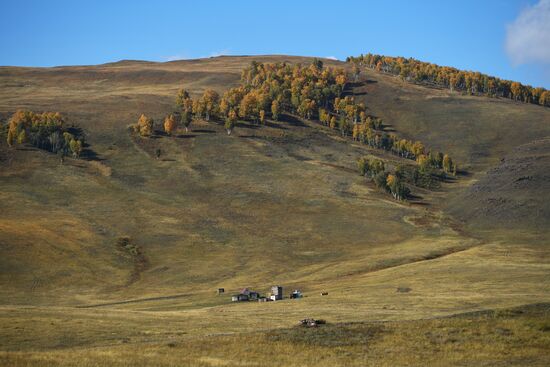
<point>240,298</point>
<point>245,294</point>
<point>252,295</point>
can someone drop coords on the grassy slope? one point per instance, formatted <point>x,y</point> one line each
<point>478,132</point>
<point>512,194</point>
<point>279,204</point>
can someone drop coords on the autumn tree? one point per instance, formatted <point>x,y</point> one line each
<point>398,190</point>
<point>515,88</point>
<point>275,109</point>
<point>380,180</point>
<point>199,108</point>
<point>76,147</point>
<point>363,166</point>
<point>248,108</point>
<point>332,123</point>
<point>344,125</point>
<point>170,124</point>
<point>224,107</point>
<point>186,118</point>
<point>262,116</point>
<point>230,121</point>
<point>423,162</point>
<point>22,137</point>
<point>144,126</point>
<point>448,164</point>
<point>182,98</point>
<point>210,103</point>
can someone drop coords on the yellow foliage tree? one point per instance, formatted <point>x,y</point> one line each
<point>144,126</point>
<point>170,124</point>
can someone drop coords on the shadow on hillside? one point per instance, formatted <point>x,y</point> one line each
<point>388,128</point>
<point>275,125</point>
<point>185,136</point>
<point>463,173</point>
<point>247,126</point>
<point>413,197</point>
<point>293,121</point>
<point>205,131</point>
<point>352,85</point>
<point>90,155</point>
<point>27,149</point>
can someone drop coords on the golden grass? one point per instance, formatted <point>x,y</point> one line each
<point>505,338</point>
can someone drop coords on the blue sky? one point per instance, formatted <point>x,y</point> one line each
<point>474,35</point>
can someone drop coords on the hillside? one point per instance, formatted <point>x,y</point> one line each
<point>511,194</point>
<point>276,204</point>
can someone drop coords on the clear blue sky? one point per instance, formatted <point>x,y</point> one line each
<point>468,34</point>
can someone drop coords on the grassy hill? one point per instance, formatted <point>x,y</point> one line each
<point>276,204</point>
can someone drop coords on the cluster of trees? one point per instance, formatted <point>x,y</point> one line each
<point>271,89</point>
<point>45,131</point>
<point>436,160</point>
<point>374,169</point>
<point>266,90</point>
<point>207,107</point>
<point>427,173</point>
<point>346,114</point>
<point>414,175</point>
<point>470,82</point>
<point>366,134</point>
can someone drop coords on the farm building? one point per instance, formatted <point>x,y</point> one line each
<point>252,295</point>
<point>240,298</point>
<point>220,291</point>
<point>276,293</point>
<point>245,295</point>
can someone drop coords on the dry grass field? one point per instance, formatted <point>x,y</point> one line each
<point>276,204</point>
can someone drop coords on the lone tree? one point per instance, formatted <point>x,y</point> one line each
<point>144,126</point>
<point>230,121</point>
<point>170,124</point>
